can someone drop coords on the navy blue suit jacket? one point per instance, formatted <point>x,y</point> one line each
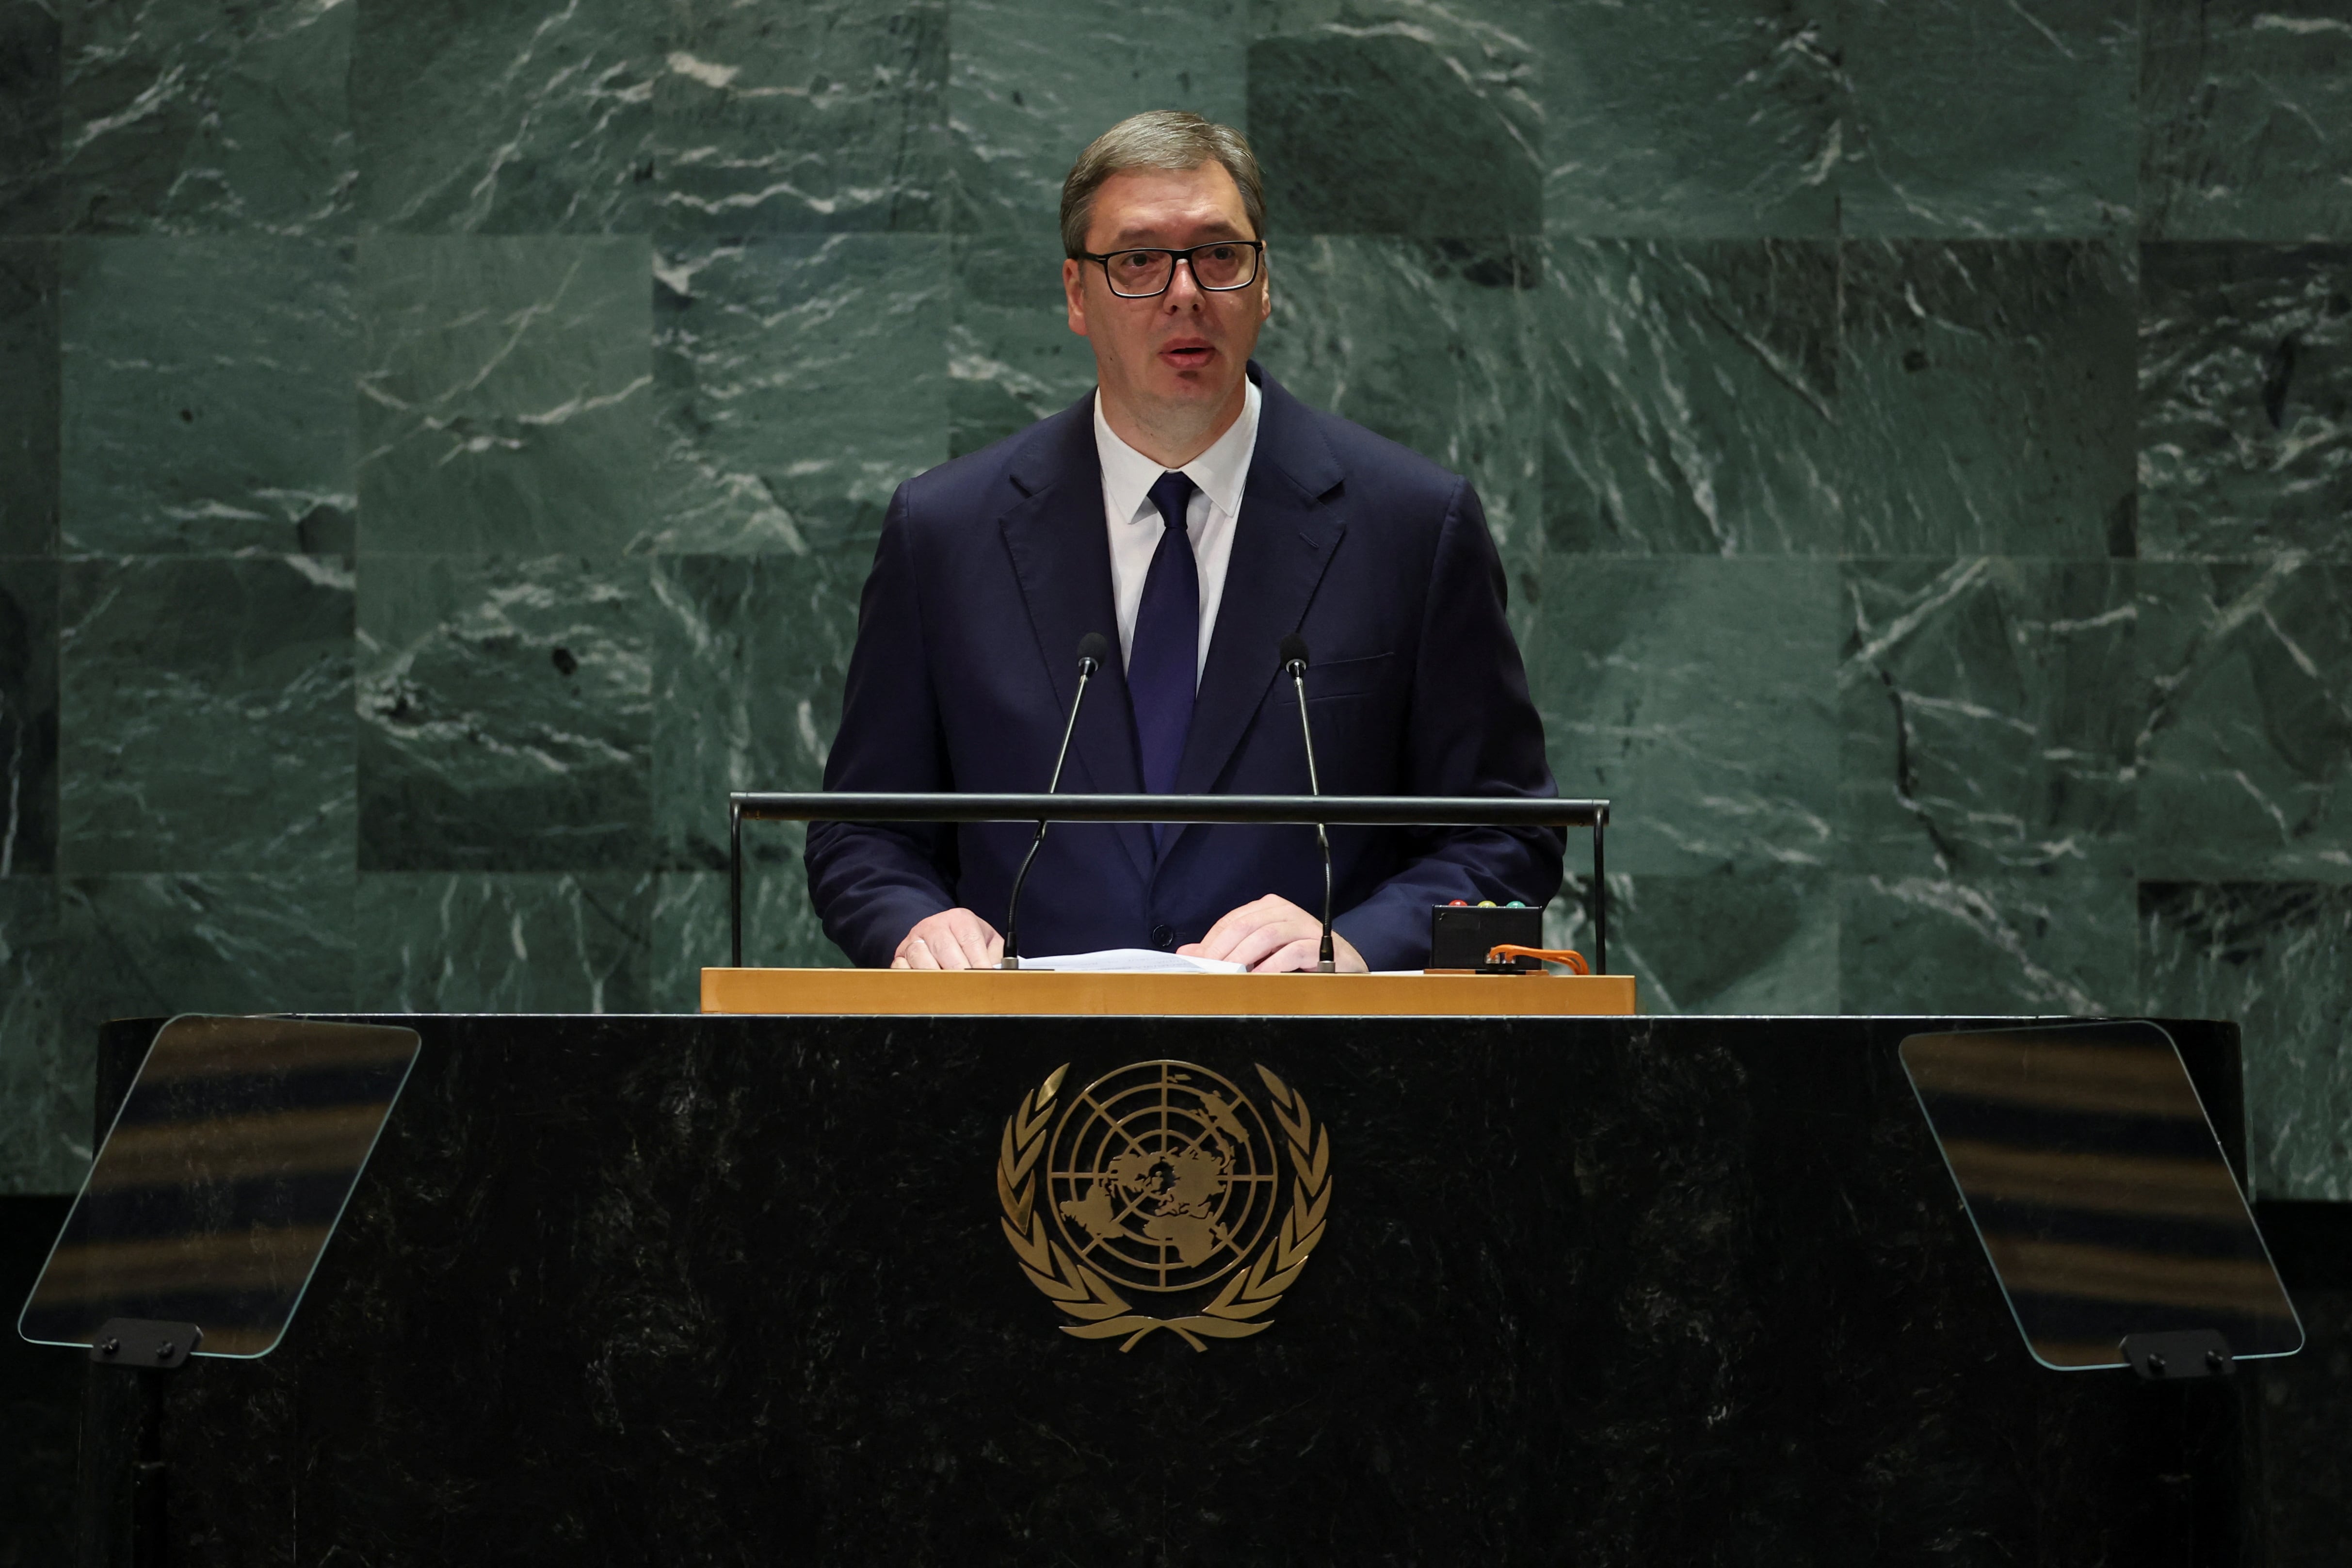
<point>992,566</point>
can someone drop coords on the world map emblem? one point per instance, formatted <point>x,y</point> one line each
<point>1163,1178</point>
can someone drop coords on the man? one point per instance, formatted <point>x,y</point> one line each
<point>1201,514</point>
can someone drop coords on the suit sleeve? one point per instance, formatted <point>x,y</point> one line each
<point>868,881</point>
<point>1473,730</point>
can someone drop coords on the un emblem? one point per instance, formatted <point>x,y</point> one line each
<point>1163,1178</point>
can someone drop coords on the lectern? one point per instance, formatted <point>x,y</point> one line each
<point>1122,1279</point>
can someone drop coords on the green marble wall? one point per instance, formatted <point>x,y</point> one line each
<point>440,447</point>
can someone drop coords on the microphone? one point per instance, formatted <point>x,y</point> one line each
<point>1094,652</point>
<point>1293,654</point>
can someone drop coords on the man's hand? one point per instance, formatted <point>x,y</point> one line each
<point>952,939</point>
<point>1272,936</point>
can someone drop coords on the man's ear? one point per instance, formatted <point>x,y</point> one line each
<point>1074,292</point>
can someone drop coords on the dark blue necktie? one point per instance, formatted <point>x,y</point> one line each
<point>1164,659</point>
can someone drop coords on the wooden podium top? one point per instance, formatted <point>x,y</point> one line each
<point>1046,992</point>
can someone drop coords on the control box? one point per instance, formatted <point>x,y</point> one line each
<point>1461,935</point>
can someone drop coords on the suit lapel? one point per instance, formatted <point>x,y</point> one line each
<point>1284,540</point>
<point>1061,557</point>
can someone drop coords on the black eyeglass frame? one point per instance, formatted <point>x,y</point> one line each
<point>1185,256</point>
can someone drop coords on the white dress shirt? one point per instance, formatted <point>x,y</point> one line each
<point>1135,526</point>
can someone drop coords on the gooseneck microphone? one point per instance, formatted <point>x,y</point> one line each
<point>1094,651</point>
<point>1293,654</point>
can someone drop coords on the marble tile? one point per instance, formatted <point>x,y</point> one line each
<point>822,115</point>
<point>1969,120</point>
<point>2276,957</point>
<point>690,923</point>
<point>1700,696</point>
<point>28,396</point>
<point>2241,106</point>
<point>507,118</point>
<point>29,716</point>
<point>1709,120</point>
<point>1394,117</point>
<point>1029,85</point>
<point>219,742</point>
<point>1692,397</point>
<point>197,119</point>
<point>2245,401</point>
<point>1431,344</point>
<point>504,400</point>
<point>32,115</point>
<point>799,379</point>
<point>208,395</point>
<point>506,712</point>
<point>462,943</point>
<point>749,657</point>
<point>2058,944</point>
<point>1986,393</point>
<point>1011,357</point>
<point>45,1075</point>
<point>2246,759</point>
<point>1988,718</point>
<point>1760,942</point>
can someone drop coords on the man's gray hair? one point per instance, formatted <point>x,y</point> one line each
<point>1159,139</point>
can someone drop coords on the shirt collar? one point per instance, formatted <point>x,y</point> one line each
<point>1222,471</point>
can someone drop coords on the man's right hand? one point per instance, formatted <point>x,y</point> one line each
<point>952,939</point>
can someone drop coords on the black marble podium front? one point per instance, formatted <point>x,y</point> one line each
<point>1602,1291</point>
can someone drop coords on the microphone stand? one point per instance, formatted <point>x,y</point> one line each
<point>1087,664</point>
<point>1296,664</point>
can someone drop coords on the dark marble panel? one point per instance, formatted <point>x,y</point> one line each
<point>1395,118</point>
<point>800,378</point>
<point>2246,394</point>
<point>1703,121</point>
<point>1011,357</point>
<point>822,115</point>
<point>506,118</point>
<point>1030,84</point>
<point>779,927</point>
<point>40,1399</point>
<point>214,742</point>
<point>208,395</point>
<point>2052,945</point>
<point>505,395</point>
<point>1759,943</point>
<point>2246,762</point>
<point>750,655</point>
<point>32,116</point>
<point>2276,957</point>
<point>1431,344</point>
<point>504,942</point>
<point>1986,392</point>
<point>1692,392</point>
<point>29,716</point>
<point>1701,696</point>
<point>1988,716</point>
<point>2241,104</point>
<point>29,310</point>
<point>193,118</point>
<point>1971,120</point>
<point>1609,1292</point>
<point>506,713</point>
<point>45,1070</point>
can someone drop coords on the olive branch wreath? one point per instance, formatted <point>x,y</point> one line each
<point>1102,1311</point>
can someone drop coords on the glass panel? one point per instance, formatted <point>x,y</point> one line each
<point>2099,1190</point>
<point>224,1174</point>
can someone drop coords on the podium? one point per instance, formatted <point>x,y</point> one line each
<point>1047,993</point>
<point>1551,1288</point>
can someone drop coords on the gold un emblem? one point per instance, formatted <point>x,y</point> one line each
<point>1162,1178</point>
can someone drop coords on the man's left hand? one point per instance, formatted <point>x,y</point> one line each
<point>1273,936</point>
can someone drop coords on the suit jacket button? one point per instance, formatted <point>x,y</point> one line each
<point>1164,937</point>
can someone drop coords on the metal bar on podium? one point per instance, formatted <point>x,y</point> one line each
<point>1262,810</point>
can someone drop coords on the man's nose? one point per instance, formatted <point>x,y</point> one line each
<point>1182,278</point>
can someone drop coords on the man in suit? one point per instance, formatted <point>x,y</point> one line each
<point>1202,513</point>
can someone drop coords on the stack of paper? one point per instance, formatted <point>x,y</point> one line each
<point>1134,961</point>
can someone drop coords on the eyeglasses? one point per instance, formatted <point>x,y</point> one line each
<point>1218,267</point>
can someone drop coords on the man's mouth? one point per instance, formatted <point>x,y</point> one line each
<point>1186,354</point>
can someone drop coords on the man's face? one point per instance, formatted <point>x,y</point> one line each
<point>1179,358</point>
